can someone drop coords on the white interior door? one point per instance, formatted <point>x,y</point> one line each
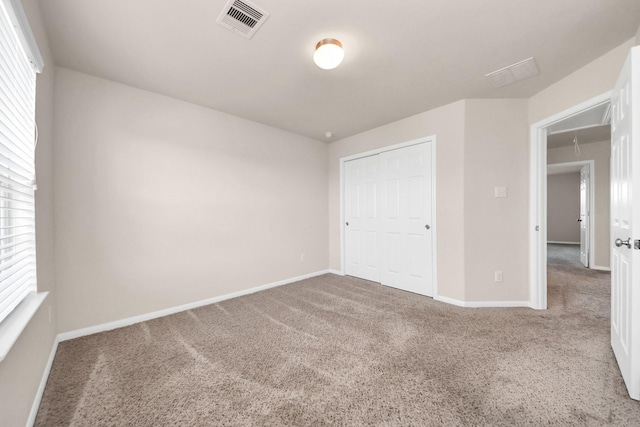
<point>362,223</point>
<point>584,219</point>
<point>625,223</point>
<point>406,237</point>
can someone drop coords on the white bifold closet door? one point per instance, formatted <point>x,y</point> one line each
<point>388,209</point>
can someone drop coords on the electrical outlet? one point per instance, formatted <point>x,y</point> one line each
<point>303,257</point>
<point>50,315</point>
<point>497,275</point>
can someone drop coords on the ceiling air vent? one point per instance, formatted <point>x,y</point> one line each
<point>242,18</point>
<point>514,72</point>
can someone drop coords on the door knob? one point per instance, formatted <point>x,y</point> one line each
<point>620,242</point>
<point>579,220</point>
<point>428,227</point>
<point>347,224</point>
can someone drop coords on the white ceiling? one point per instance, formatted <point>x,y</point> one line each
<point>401,58</point>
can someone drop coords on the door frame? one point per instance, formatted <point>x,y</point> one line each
<point>434,228</point>
<point>538,198</point>
<point>591,165</point>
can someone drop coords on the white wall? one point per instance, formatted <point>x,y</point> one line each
<point>22,369</point>
<point>563,207</point>
<point>496,153</point>
<point>447,123</point>
<point>600,153</point>
<point>161,202</point>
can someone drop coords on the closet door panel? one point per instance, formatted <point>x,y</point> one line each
<point>405,214</point>
<point>362,222</point>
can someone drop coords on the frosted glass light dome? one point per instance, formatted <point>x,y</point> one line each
<point>329,54</point>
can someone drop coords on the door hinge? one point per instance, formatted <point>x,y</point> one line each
<point>636,244</point>
<point>537,228</point>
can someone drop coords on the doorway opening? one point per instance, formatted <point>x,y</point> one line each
<point>592,113</point>
<point>571,205</point>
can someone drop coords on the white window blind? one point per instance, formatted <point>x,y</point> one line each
<point>17,169</point>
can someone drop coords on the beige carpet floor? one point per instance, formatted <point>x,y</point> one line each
<point>342,351</point>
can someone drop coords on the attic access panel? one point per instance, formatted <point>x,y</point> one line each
<point>242,17</point>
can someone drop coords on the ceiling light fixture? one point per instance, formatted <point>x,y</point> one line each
<point>329,54</point>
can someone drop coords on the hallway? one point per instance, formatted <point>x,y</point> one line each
<point>573,287</point>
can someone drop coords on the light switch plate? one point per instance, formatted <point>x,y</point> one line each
<point>501,191</point>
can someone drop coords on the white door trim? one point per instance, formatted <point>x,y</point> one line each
<point>434,227</point>
<point>591,165</point>
<point>538,199</point>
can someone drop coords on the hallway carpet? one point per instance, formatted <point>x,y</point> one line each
<point>343,351</point>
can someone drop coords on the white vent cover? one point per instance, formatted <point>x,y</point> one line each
<point>515,72</point>
<point>242,18</point>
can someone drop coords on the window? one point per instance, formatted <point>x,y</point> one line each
<point>19,63</point>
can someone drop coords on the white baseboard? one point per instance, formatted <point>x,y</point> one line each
<point>43,382</point>
<point>600,267</point>
<point>172,310</point>
<point>483,304</point>
<point>448,300</point>
<point>498,304</point>
<point>336,272</point>
<point>562,243</point>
